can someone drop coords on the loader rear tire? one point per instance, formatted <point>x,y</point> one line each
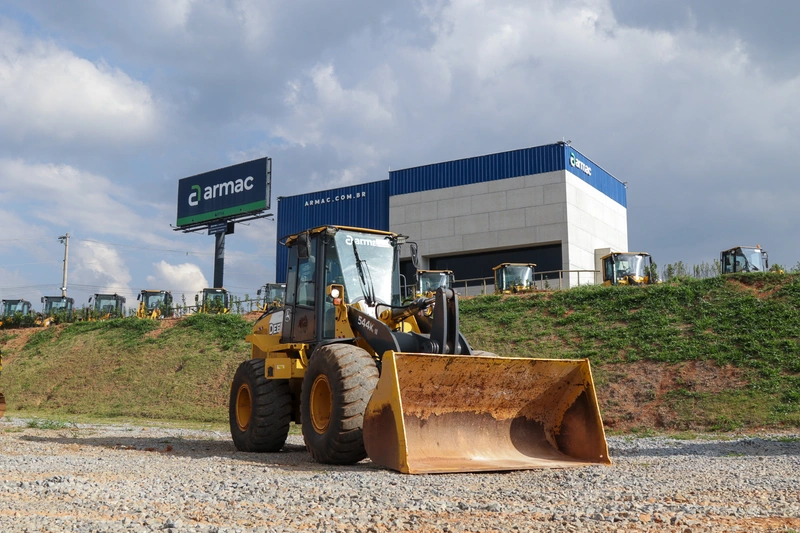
<point>337,385</point>
<point>260,409</point>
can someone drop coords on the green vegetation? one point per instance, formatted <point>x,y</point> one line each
<point>750,322</point>
<point>690,355</point>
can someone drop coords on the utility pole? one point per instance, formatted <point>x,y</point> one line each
<point>64,239</point>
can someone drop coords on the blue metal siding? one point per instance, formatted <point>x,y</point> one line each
<point>492,167</point>
<point>577,163</point>
<point>362,206</point>
<point>524,162</point>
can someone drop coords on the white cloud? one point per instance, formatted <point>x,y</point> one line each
<point>98,268</point>
<point>48,92</point>
<point>184,278</point>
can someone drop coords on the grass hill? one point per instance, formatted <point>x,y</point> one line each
<point>716,354</point>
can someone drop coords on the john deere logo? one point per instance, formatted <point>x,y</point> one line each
<point>219,189</point>
<point>577,163</point>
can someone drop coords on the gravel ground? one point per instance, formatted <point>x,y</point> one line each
<point>90,478</point>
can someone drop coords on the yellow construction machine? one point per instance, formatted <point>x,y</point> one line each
<point>274,294</point>
<point>154,304</point>
<point>744,259</point>
<point>428,281</point>
<point>16,309</point>
<point>514,278</point>
<point>56,308</point>
<point>367,376</point>
<point>106,306</point>
<point>627,268</point>
<point>215,301</point>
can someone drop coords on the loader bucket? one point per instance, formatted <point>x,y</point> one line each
<point>2,405</point>
<point>453,413</point>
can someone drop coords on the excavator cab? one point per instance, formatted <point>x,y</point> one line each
<point>744,259</point>
<point>428,281</point>
<point>154,304</point>
<point>274,295</point>
<point>627,268</point>
<point>368,376</point>
<point>107,306</point>
<point>216,301</point>
<point>514,278</point>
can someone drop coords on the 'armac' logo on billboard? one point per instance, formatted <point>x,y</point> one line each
<point>337,198</point>
<point>219,189</point>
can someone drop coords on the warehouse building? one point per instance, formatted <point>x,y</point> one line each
<point>549,205</point>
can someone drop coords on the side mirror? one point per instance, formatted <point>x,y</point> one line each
<point>138,297</point>
<point>42,300</point>
<point>302,246</point>
<point>258,292</point>
<point>414,254</point>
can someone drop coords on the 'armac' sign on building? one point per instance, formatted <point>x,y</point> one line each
<point>336,198</point>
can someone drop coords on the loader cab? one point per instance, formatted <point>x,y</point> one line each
<point>365,262</point>
<point>744,259</point>
<point>627,268</point>
<point>514,278</point>
<point>430,280</point>
<point>154,304</point>
<point>12,307</point>
<point>54,305</point>
<point>107,306</point>
<point>215,301</point>
<point>274,295</point>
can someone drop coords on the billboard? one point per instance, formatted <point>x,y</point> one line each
<point>225,193</point>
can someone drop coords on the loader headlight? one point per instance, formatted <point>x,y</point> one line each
<point>335,292</point>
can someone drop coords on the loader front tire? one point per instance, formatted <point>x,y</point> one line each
<point>260,409</point>
<point>337,385</point>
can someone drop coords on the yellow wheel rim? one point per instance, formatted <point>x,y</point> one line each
<point>244,407</point>
<point>321,403</point>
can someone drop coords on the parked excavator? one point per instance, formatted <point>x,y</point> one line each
<point>367,376</point>
<point>55,306</point>
<point>274,294</point>
<point>514,278</point>
<point>106,306</point>
<point>744,259</point>
<point>627,268</point>
<point>215,301</point>
<point>154,304</point>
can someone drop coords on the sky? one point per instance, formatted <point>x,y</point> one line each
<point>104,106</point>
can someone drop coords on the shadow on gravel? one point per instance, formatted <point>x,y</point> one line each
<point>293,457</point>
<point>756,447</point>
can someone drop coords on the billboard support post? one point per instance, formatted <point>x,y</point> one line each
<point>219,259</point>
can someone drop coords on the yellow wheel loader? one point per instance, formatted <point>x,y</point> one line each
<point>56,308</point>
<point>366,376</point>
<point>17,313</point>
<point>215,301</point>
<point>274,294</point>
<point>428,281</point>
<point>627,268</point>
<point>514,278</point>
<point>744,259</point>
<point>106,306</point>
<point>154,304</point>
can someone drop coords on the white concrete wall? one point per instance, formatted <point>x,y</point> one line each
<point>493,215</point>
<point>515,212</point>
<point>595,221</point>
